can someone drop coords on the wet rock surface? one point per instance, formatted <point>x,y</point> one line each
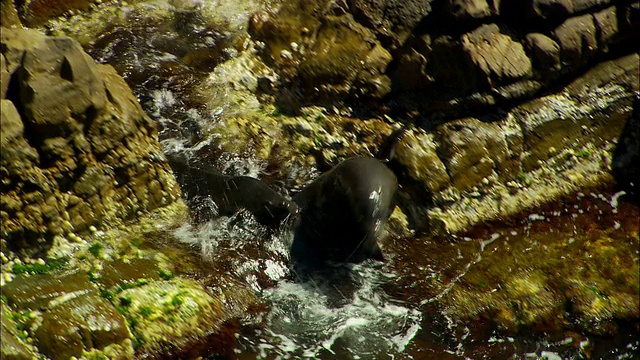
<point>538,272</point>
<point>14,345</point>
<point>87,321</point>
<point>131,291</point>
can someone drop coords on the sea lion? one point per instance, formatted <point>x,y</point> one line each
<point>343,213</point>
<point>232,194</point>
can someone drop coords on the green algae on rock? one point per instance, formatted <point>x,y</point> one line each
<point>550,146</point>
<point>87,321</point>
<point>170,314</point>
<point>14,337</point>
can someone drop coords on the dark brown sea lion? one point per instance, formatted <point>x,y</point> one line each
<point>344,212</point>
<point>231,194</point>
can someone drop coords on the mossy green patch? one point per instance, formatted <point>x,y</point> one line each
<point>146,311</point>
<point>169,312</point>
<point>93,276</point>
<point>125,300</point>
<point>39,268</point>
<point>96,249</point>
<point>136,241</point>
<point>22,320</point>
<point>165,274</point>
<point>584,154</point>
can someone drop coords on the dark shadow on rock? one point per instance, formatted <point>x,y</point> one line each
<point>625,164</point>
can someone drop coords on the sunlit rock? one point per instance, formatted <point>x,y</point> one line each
<point>76,144</point>
<point>330,68</point>
<point>170,313</point>
<point>472,151</point>
<point>14,345</point>
<point>577,39</point>
<point>85,322</point>
<point>546,52</point>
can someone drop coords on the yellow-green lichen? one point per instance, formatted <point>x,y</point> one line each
<point>173,312</point>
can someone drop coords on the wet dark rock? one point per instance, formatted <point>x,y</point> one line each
<point>549,11</point>
<point>120,272</point>
<point>626,158</point>
<point>393,21</point>
<point>462,10</point>
<point>85,322</point>
<point>39,291</point>
<point>553,275</point>
<point>410,72</point>
<point>37,12</point>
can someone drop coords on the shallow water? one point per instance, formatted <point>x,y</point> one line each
<point>433,298</point>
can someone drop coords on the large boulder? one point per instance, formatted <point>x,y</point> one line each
<point>481,59</point>
<point>78,150</point>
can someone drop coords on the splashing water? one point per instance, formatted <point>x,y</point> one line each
<point>326,318</point>
<point>240,245</point>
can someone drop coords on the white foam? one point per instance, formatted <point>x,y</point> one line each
<point>162,99</point>
<point>536,217</point>
<point>614,200</point>
<point>309,319</point>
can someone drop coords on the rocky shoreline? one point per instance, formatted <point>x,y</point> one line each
<point>507,108</point>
